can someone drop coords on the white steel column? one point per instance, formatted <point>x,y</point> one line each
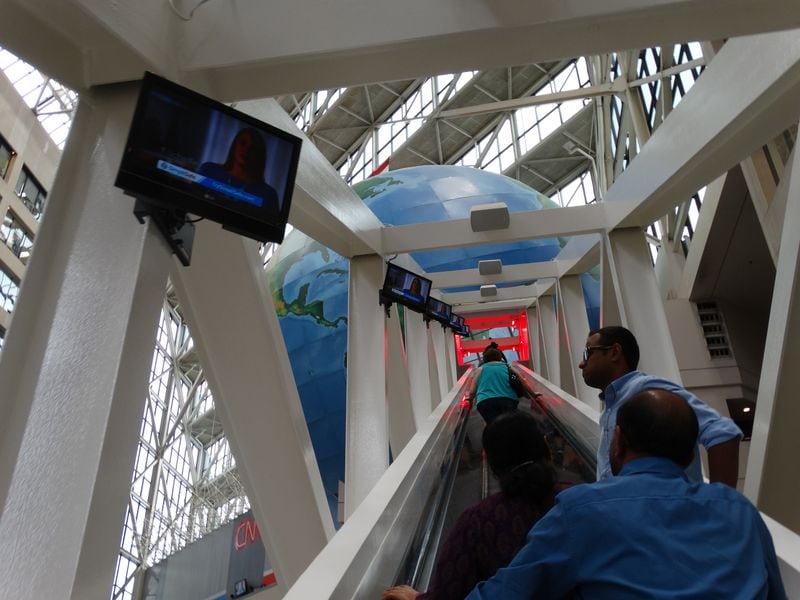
<point>610,310</point>
<point>639,299</point>
<point>450,355</point>
<point>433,370</point>
<point>230,312</point>
<point>398,390</point>
<point>437,337</point>
<point>367,442</point>
<point>74,368</point>
<point>548,321</point>
<point>532,314</point>
<point>418,369</point>
<point>772,481</point>
<point>566,372</point>
<point>577,330</point>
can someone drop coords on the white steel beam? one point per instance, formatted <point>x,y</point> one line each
<point>323,206</point>
<point>548,323</point>
<point>519,292</point>
<point>722,120</point>
<point>74,368</point>
<point>402,426</point>
<point>602,89</point>
<point>576,321</point>
<point>510,273</point>
<point>361,42</point>
<point>532,315</point>
<point>639,299</point>
<point>769,483</point>
<point>243,354</point>
<point>367,436</point>
<point>528,225</point>
<point>417,339</point>
<point>437,339</point>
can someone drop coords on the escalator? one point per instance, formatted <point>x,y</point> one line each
<point>466,479</point>
<point>393,537</point>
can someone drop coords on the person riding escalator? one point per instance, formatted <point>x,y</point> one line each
<point>487,535</point>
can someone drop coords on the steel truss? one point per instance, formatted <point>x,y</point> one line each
<point>566,128</point>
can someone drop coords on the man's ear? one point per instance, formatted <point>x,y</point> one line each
<point>621,442</point>
<point>617,451</point>
<point>616,352</point>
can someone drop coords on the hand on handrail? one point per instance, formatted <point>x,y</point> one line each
<point>400,592</point>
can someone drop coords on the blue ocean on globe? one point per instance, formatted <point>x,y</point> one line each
<point>308,283</point>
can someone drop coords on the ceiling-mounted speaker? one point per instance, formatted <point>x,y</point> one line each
<point>488,290</point>
<point>490,267</point>
<point>488,217</point>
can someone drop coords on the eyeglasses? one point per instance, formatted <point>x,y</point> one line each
<point>589,350</point>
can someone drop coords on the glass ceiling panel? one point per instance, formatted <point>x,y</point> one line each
<point>52,103</point>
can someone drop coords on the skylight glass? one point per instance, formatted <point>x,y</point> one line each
<point>52,103</point>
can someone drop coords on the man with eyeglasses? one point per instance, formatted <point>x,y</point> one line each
<point>609,364</point>
<point>648,532</point>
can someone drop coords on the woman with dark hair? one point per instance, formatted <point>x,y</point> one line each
<point>487,535</point>
<point>416,286</point>
<point>244,168</point>
<point>491,388</point>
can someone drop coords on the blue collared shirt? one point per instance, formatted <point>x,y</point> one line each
<point>649,533</point>
<point>714,428</point>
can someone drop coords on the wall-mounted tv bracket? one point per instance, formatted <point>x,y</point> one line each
<point>385,302</point>
<point>174,225</point>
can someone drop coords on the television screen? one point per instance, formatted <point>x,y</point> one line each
<point>456,322</point>
<point>438,310</point>
<point>406,288</point>
<point>189,153</point>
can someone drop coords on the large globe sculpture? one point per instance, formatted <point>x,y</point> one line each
<point>308,283</point>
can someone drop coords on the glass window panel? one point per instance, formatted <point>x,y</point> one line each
<point>569,109</point>
<point>549,124</point>
<point>9,290</point>
<point>31,193</point>
<point>16,237</point>
<point>6,155</point>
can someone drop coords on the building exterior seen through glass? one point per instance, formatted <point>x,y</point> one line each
<point>32,194</point>
<point>6,156</point>
<point>13,235</point>
<point>9,288</point>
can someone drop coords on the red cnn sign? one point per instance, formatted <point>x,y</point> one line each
<point>246,533</point>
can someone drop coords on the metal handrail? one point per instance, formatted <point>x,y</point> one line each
<point>420,575</point>
<point>418,558</point>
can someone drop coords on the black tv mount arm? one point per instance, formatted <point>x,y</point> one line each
<point>385,302</point>
<point>174,225</point>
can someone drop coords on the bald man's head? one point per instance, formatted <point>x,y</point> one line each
<point>654,423</point>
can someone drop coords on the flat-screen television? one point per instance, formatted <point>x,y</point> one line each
<point>438,311</point>
<point>406,288</point>
<point>456,322</point>
<point>458,325</point>
<point>188,153</point>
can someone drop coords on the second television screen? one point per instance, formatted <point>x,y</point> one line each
<point>406,287</point>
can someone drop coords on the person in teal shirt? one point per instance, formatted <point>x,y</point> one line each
<point>648,532</point>
<point>491,389</point>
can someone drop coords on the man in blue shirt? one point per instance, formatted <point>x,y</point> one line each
<point>648,533</point>
<point>609,364</point>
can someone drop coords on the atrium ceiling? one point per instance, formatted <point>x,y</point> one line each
<point>562,96</point>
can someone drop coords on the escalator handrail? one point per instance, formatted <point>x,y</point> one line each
<point>362,558</point>
<point>434,526</point>
<point>586,451</point>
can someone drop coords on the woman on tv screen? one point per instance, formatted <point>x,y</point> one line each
<point>243,169</point>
